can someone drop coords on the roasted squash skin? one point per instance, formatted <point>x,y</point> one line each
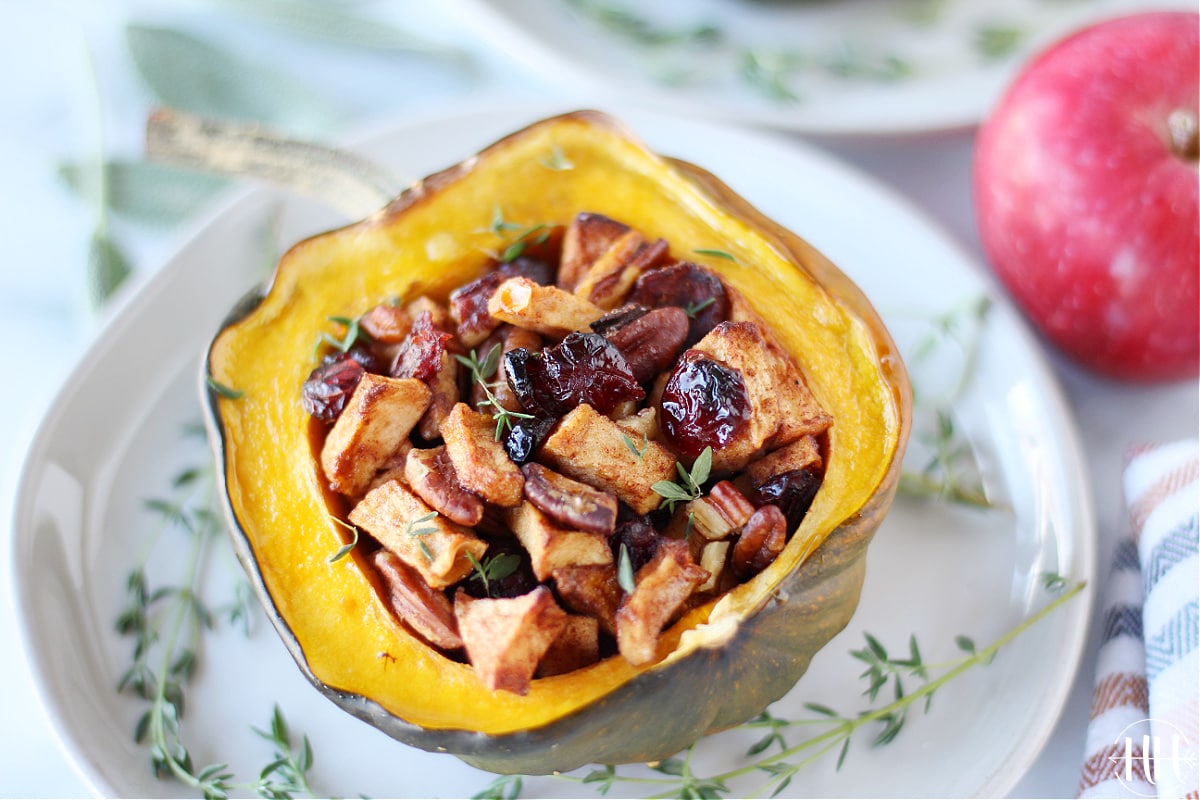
<point>722,663</point>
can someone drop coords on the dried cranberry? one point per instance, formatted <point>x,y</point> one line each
<point>583,368</point>
<point>704,404</point>
<point>792,492</point>
<point>420,355</point>
<point>363,354</point>
<point>640,540</point>
<point>330,385</point>
<point>525,437</point>
<point>690,287</point>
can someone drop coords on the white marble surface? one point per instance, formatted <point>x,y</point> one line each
<point>58,56</point>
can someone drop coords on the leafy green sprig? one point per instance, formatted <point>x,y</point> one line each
<point>776,759</point>
<point>690,484</point>
<point>493,568</point>
<point>520,236</point>
<point>168,624</point>
<point>352,335</point>
<point>949,471</point>
<point>419,527</point>
<point>482,371</point>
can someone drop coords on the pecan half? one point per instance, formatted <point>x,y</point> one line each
<point>569,502</point>
<point>762,540</point>
<point>425,610</point>
<point>719,513</point>
<point>650,342</point>
<point>432,476</point>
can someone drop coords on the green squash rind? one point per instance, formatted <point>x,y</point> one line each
<point>663,710</point>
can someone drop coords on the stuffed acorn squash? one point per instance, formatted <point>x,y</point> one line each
<point>565,363</point>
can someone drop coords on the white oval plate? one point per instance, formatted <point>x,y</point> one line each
<point>846,48</point>
<point>112,439</point>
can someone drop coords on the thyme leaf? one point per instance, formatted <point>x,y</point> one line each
<point>353,335</point>
<point>633,448</point>
<point>418,527</point>
<point>625,577</point>
<point>692,309</point>
<point>481,373</point>
<point>777,760</point>
<point>349,546</point>
<point>557,161</point>
<point>221,389</point>
<point>493,568</point>
<point>705,251</point>
<point>690,483</point>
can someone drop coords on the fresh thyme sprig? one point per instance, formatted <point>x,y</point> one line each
<point>525,234</point>
<point>354,334</point>
<point>640,453</point>
<point>419,527</point>
<point>482,373</point>
<point>949,471</point>
<point>168,624</point>
<point>493,568</point>
<point>629,25</point>
<point>949,474</point>
<point>772,755</point>
<point>690,484</point>
<point>287,774</point>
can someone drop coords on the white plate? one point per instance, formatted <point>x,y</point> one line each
<point>950,82</point>
<point>113,438</point>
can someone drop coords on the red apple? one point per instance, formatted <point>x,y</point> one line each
<point>1086,183</point>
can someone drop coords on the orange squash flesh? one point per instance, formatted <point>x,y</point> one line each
<point>437,236</point>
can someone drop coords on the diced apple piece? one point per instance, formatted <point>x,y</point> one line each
<point>592,591</point>
<point>782,409</point>
<point>506,637</point>
<point>376,421</point>
<point>575,647</point>
<point>662,586</point>
<point>432,545</point>
<point>479,460</point>
<point>590,447</point>
<point>547,310</point>
<point>551,546</point>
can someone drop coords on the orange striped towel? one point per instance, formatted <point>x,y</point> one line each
<point>1142,737</point>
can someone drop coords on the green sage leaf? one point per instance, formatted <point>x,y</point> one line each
<point>187,72</point>
<point>340,24</point>
<point>144,192</point>
<point>107,268</point>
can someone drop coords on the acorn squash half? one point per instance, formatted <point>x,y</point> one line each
<point>719,665</point>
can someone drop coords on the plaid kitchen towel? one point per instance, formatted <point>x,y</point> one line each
<point>1142,738</point>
